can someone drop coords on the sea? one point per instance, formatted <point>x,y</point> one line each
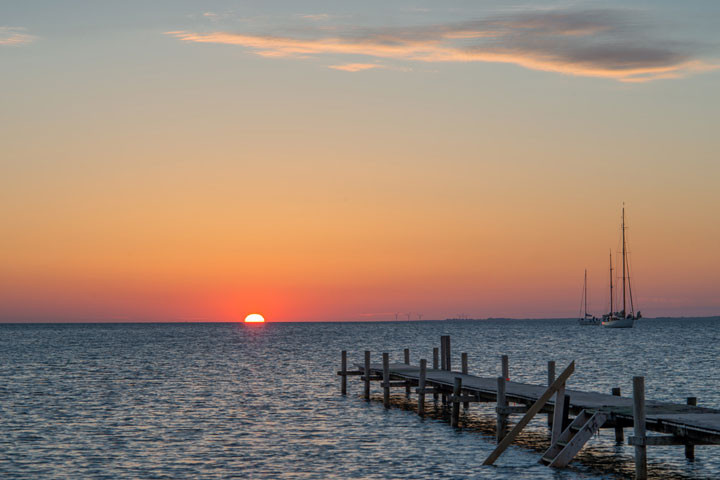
<point>225,400</point>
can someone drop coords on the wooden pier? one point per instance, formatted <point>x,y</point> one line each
<point>674,424</point>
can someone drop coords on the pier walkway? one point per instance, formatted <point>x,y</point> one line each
<point>701,423</point>
<point>674,424</point>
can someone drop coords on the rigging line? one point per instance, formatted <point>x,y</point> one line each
<point>632,307</point>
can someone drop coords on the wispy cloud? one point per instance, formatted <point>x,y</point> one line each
<point>356,67</point>
<point>316,17</point>
<point>13,36</point>
<point>596,43</point>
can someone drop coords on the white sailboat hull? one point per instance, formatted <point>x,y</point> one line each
<point>619,323</point>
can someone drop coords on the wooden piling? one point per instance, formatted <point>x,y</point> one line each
<point>406,354</point>
<point>457,388</point>
<point>506,367</point>
<point>551,379</point>
<point>690,448</point>
<point>436,359</point>
<point>558,413</point>
<point>464,361</point>
<point>367,375</point>
<point>343,372</point>
<point>421,387</point>
<point>386,379</point>
<point>501,404</point>
<point>443,361</point>
<point>619,434</point>
<point>448,362</point>
<point>566,412</point>
<point>443,354</point>
<point>639,428</point>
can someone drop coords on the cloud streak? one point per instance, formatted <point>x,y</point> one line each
<point>356,67</point>
<point>14,36</point>
<point>597,43</point>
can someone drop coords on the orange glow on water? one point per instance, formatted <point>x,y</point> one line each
<point>254,318</point>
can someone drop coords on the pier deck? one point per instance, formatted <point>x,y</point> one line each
<point>674,424</point>
<point>698,423</point>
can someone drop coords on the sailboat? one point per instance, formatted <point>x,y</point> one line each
<point>587,319</point>
<point>623,318</point>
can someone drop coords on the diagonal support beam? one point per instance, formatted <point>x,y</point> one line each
<point>532,411</point>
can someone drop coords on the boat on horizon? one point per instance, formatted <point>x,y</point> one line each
<point>622,318</point>
<point>587,319</point>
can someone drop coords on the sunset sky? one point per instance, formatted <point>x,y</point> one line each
<point>332,160</point>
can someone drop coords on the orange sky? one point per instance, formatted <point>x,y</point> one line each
<point>150,177</point>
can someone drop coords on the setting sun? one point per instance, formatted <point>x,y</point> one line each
<point>254,318</point>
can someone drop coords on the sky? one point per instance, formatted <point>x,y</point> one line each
<point>335,160</point>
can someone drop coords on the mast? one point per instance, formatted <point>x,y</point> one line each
<point>585,292</point>
<point>623,259</point>
<point>611,297</point>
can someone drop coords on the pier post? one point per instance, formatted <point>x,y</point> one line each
<point>443,361</point>
<point>455,417</point>
<point>436,355</point>
<point>551,379</point>
<point>367,375</point>
<point>343,372</point>
<point>689,448</point>
<point>386,379</point>
<point>639,426</point>
<point>566,412</point>
<point>448,362</point>
<point>421,387</point>
<point>558,413</point>
<point>501,404</point>
<point>506,367</point>
<point>406,354</point>
<point>464,360</point>
<point>443,354</point>
<point>619,435</point>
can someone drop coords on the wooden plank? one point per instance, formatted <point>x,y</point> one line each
<point>457,389</point>
<point>619,433</point>
<point>443,353</point>
<point>639,427</point>
<point>343,370</point>
<point>501,418</point>
<point>366,393</point>
<point>435,365</point>
<point>448,353</point>
<point>464,366</point>
<point>575,444</point>
<point>534,409</point>
<point>558,413</point>
<point>386,379</point>
<point>421,387</point>
<point>398,384</point>
<point>406,355</point>
<point>556,447</point>
<point>505,367</point>
<point>700,425</point>
<point>551,379</point>
<point>690,448</point>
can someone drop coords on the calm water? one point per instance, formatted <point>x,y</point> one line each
<point>221,400</point>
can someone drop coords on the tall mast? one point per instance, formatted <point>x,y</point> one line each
<point>623,259</point>
<point>611,298</point>
<point>585,292</point>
